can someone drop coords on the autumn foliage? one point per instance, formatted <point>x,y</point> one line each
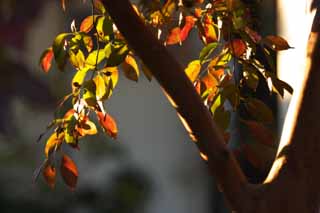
<point>98,52</point>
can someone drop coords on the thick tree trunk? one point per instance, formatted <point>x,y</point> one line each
<point>294,181</point>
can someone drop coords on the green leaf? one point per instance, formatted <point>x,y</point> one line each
<point>130,68</point>
<point>59,50</point>
<point>118,54</point>
<point>89,93</point>
<point>207,50</point>
<point>259,110</point>
<point>251,79</point>
<point>218,101</point>
<point>232,93</point>
<point>69,136</point>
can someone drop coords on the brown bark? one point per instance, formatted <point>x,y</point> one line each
<point>293,184</point>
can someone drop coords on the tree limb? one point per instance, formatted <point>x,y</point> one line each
<point>172,79</point>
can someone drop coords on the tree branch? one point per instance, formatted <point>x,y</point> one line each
<point>171,77</point>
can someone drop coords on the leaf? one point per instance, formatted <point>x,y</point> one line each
<point>104,26</point>
<point>77,60</point>
<point>100,87</point>
<point>130,68</point>
<point>146,71</point>
<point>49,174</point>
<point>238,47</point>
<point>88,43</point>
<point>209,33</point>
<point>222,117</point>
<point>118,55</point>
<point>251,79</point>
<point>207,50</point>
<point>276,43</point>
<point>89,93</point>
<point>260,133</point>
<point>46,60</point>
<point>108,124</point>
<point>78,79</point>
<point>259,110</point>
<point>99,6</point>
<point>69,171</point>
<point>59,50</point>
<point>70,135</point>
<point>187,27</point>
<point>53,143</point>
<point>232,93</point>
<point>88,23</point>
<point>193,69</point>
<point>86,127</point>
<point>95,58</point>
<point>174,36</point>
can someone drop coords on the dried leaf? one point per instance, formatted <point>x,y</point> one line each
<point>69,172</point>
<point>276,43</point>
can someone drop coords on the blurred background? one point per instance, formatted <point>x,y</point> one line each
<point>153,167</point>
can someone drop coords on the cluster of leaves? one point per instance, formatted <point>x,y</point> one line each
<point>226,29</point>
<point>97,49</point>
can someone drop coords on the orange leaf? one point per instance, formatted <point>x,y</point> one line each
<point>87,128</point>
<point>53,142</point>
<point>49,174</point>
<point>87,24</point>
<point>189,23</point>
<point>209,33</point>
<point>46,59</point>
<point>69,172</point>
<point>174,36</point>
<point>108,123</point>
<point>237,47</point>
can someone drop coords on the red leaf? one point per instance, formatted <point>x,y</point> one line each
<point>237,47</point>
<point>189,23</point>
<point>46,59</point>
<point>69,172</point>
<point>174,36</point>
<point>49,174</point>
<point>108,123</point>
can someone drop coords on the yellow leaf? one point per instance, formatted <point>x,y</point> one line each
<point>193,70</point>
<point>53,143</point>
<point>100,87</point>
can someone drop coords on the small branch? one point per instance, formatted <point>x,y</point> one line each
<point>172,79</point>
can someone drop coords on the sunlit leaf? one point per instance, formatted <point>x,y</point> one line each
<point>108,123</point>
<point>104,26</point>
<point>69,172</point>
<point>49,174</point>
<point>86,127</point>
<point>95,58</point>
<point>78,79</point>
<point>193,69</point>
<point>46,60</point>
<point>53,143</point>
<point>188,25</point>
<point>87,40</point>
<point>78,59</point>
<point>100,87</point>
<point>88,23</point>
<point>130,68</point>
<point>207,50</point>
<point>174,36</point>
<point>276,43</point>
<point>59,50</point>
